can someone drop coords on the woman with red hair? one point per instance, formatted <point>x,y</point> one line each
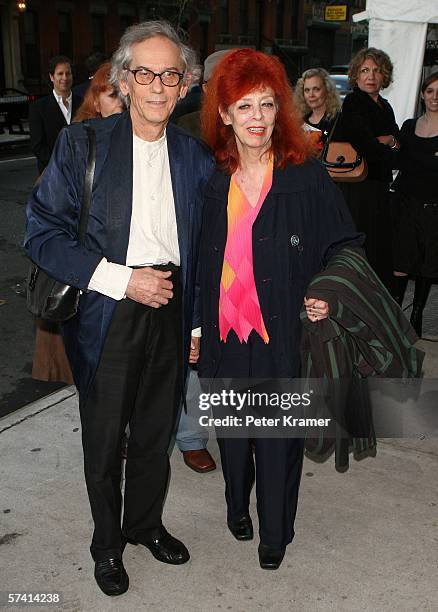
<point>272,219</point>
<point>101,99</point>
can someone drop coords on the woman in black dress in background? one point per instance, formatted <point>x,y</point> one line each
<point>368,123</point>
<point>416,203</point>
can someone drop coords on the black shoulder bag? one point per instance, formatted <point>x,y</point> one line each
<point>46,297</point>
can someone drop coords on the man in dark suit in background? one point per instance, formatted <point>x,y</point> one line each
<point>49,115</point>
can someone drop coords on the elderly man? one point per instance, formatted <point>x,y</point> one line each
<point>130,343</point>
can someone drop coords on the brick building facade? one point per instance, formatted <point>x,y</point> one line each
<point>293,29</point>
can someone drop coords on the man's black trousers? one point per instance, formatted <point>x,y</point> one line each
<point>138,382</point>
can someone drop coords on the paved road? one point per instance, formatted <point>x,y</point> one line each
<point>17,175</point>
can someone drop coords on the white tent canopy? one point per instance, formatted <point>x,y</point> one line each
<point>399,27</point>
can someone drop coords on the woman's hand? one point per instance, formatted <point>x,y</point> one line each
<point>316,309</point>
<point>389,141</point>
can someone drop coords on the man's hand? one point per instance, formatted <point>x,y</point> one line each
<point>150,287</point>
<point>194,350</point>
<point>316,309</point>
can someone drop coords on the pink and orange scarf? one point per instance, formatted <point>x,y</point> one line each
<point>239,306</point>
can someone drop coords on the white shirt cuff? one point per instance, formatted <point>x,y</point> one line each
<point>110,279</point>
<point>196,333</point>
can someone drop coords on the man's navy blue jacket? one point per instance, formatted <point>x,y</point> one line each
<point>53,215</point>
<point>302,223</point>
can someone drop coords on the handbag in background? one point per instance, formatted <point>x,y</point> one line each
<point>47,298</point>
<point>342,161</point>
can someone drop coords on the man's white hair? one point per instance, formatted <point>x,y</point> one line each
<point>143,31</point>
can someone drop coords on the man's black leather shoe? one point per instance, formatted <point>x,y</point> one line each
<point>111,576</point>
<point>165,548</point>
<point>242,529</point>
<point>270,558</point>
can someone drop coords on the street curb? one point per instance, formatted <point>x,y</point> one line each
<point>14,145</point>
<point>22,414</point>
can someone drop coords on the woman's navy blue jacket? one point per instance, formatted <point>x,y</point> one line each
<point>302,223</point>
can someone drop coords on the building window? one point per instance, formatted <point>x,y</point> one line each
<point>65,34</point>
<point>294,20</point>
<point>98,32</point>
<point>224,15</point>
<point>279,21</point>
<point>31,46</point>
<point>243,17</point>
<point>125,21</point>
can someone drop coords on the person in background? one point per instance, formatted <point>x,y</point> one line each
<point>130,343</point>
<point>49,359</point>
<point>50,114</point>
<point>92,63</point>
<point>190,104</point>
<point>191,438</point>
<point>101,98</point>
<point>272,219</point>
<point>416,203</point>
<point>318,102</point>
<point>192,121</point>
<point>368,123</point>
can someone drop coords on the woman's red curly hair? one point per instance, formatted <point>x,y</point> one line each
<point>98,84</point>
<point>238,73</point>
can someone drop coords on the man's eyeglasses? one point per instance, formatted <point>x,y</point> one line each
<point>169,78</point>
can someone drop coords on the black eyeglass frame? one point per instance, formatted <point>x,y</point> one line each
<point>156,74</point>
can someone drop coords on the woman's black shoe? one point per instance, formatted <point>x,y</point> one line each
<point>111,576</point>
<point>242,529</point>
<point>270,558</point>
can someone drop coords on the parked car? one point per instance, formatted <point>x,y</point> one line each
<point>339,69</point>
<point>14,108</point>
<point>342,85</point>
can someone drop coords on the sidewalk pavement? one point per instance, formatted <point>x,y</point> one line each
<point>10,140</point>
<point>365,540</point>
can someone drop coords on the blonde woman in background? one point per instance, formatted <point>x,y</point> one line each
<point>318,102</point>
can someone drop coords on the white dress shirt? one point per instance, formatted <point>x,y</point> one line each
<point>153,235</point>
<point>65,111</point>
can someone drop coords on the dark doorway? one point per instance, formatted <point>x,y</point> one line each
<point>2,59</point>
<point>321,47</point>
